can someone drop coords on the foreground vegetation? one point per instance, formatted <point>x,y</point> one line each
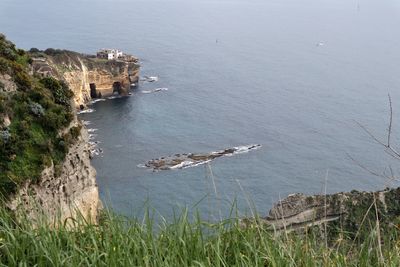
<point>118,241</point>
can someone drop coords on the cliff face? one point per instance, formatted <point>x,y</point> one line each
<point>86,76</point>
<point>66,195</point>
<point>345,211</point>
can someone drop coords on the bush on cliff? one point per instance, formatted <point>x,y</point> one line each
<point>62,94</point>
<point>38,111</point>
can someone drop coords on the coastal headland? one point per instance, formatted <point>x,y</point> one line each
<point>88,76</point>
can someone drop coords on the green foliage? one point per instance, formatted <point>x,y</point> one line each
<point>23,81</point>
<point>34,50</point>
<point>38,111</point>
<point>60,90</point>
<point>7,49</point>
<point>3,65</point>
<point>75,132</point>
<point>54,52</point>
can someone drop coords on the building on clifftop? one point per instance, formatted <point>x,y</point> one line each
<point>109,54</point>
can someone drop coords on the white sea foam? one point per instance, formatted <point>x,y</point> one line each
<point>119,96</point>
<point>188,164</point>
<point>89,110</point>
<point>92,136</point>
<point>246,149</point>
<point>197,163</point>
<point>149,79</point>
<point>182,165</point>
<point>154,90</point>
<point>96,100</point>
<point>160,89</point>
<point>92,130</point>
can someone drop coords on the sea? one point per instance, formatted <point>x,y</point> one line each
<point>308,80</point>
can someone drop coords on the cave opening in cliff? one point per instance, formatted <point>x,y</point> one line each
<point>93,91</point>
<point>117,87</point>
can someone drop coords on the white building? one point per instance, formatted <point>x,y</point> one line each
<point>109,54</point>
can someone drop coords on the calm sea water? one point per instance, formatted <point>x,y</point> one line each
<point>294,76</point>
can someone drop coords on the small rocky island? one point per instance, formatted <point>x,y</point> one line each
<point>182,161</point>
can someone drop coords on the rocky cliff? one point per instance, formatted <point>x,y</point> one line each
<point>44,150</point>
<point>88,77</point>
<point>347,212</point>
<point>71,193</point>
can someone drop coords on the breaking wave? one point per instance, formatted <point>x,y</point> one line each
<point>89,110</point>
<point>96,100</point>
<point>154,90</point>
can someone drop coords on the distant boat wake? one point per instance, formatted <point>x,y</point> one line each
<point>183,161</point>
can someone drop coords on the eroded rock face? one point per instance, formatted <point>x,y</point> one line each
<point>7,84</point>
<point>89,77</point>
<point>74,191</point>
<point>347,210</point>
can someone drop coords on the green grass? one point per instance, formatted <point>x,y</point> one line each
<point>185,241</point>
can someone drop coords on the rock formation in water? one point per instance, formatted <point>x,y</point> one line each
<point>186,160</point>
<point>87,76</point>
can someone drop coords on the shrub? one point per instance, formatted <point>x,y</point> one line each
<point>34,50</point>
<point>36,109</point>
<point>62,94</point>
<point>2,106</point>
<point>23,81</point>
<point>4,67</point>
<point>7,49</point>
<point>20,52</point>
<point>8,53</point>
<point>5,136</point>
<point>53,52</point>
<point>75,132</point>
